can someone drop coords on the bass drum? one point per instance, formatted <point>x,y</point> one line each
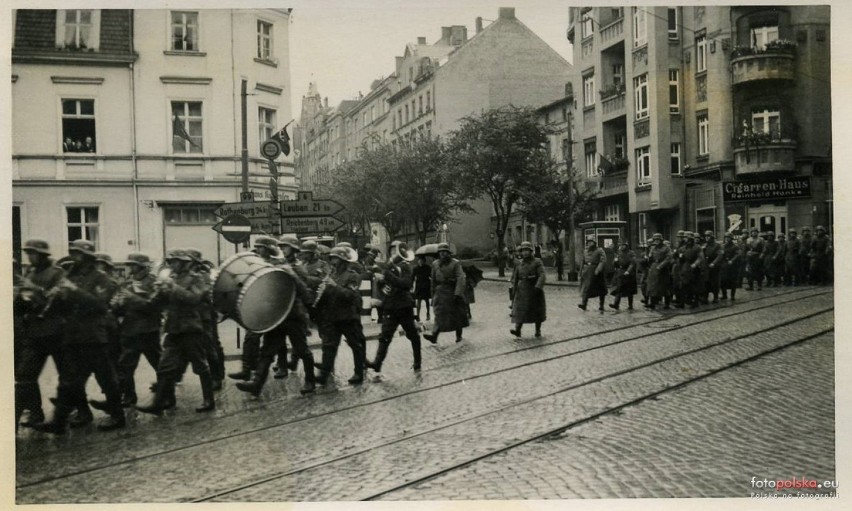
<point>254,293</point>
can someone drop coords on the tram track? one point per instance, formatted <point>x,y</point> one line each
<point>434,387</point>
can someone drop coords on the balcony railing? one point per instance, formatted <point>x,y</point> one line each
<point>613,105</point>
<point>776,156</point>
<point>612,33</point>
<point>774,62</point>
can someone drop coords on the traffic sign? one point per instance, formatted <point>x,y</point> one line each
<point>264,226</point>
<point>310,224</point>
<point>306,206</point>
<point>246,196</point>
<point>246,209</point>
<point>270,149</point>
<point>234,228</point>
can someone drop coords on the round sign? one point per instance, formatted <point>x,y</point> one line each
<point>270,149</point>
<point>235,228</point>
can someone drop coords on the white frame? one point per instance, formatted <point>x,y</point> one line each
<point>587,25</point>
<point>171,24</point>
<point>640,27</point>
<point>703,135</point>
<point>261,123</point>
<point>618,74</point>
<point>677,153</point>
<point>643,165</point>
<point>701,54</point>
<point>261,37</point>
<point>612,212</point>
<point>620,142</point>
<point>640,88</point>
<point>62,117</point>
<point>589,90</point>
<point>68,224</point>
<point>766,116</point>
<point>674,108</point>
<point>170,131</point>
<point>591,163</point>
<point>673,33</point>
<point>94,32</point>
<point>761,36</point>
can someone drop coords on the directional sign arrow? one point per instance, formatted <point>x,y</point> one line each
<point>306,206</point>
<point>234,228</point>
<point>246,209</point>
<point>310,224</point>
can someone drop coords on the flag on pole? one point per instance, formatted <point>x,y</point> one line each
<point>283,139</point>
<point>179,131</point>
<point>604,166</point>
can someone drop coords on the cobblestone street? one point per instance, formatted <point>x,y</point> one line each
<point>604,405</point>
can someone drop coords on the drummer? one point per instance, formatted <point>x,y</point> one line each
<point>267,248</point>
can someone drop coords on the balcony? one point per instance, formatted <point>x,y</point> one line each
<point>612,102</point>
<point>612,33</point>
<point>613,184</point>
<point>775,62</point>
<point>776,156</point>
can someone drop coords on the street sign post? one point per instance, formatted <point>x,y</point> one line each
<point>311,224</point>
<point>306,205</point>
<point>234,228</point>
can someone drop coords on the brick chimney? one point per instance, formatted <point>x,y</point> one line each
<point>458,35</point>
<point>421,40</point>
<point>507,13</point>
<point>446,32</point>
<point>478,24</point>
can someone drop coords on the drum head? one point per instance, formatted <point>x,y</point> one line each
<point>266,300</point>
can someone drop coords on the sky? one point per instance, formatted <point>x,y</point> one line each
<point>344,46</point>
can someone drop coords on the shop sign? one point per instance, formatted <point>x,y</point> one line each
<point>767,189</point>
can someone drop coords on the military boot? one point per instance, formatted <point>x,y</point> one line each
<point>209,403</point>
<point>381,353</point>
<point>359,353</point>
<point>310,378</point>
<point>254,386</point>
<point>163,398</point>
<point>415,351</point>
<point>57,426</point>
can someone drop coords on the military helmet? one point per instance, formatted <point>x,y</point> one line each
<point>83,246</point>
<point>444,247</point>
<point>806,229</point>
<point>179,254</point>
<point>266,242</point>
<point>194,254</point>
<point>289,241</point>
<point>309,246</point>
<point>526,245</point>
<point>681,234</point>
<point>710,233</point>
<point>344,244</point>
<point>138,258</point>
<point>819,228</point>
<point>102,257</point>
<point>39,246</point>
<point>791,231</point>
<point>657,236</point>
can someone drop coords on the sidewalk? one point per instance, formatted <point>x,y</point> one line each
<point>489,272</point>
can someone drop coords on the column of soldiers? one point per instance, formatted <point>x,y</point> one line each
<point>697,270</point>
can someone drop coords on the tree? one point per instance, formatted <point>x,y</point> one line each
<point>501,153</point>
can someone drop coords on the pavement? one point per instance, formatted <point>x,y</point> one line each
<point>616,404</point>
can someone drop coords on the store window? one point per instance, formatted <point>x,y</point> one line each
<point>190,215</point>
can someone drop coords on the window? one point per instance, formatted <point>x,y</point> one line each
<point>617,12</point>
<point>266,123</point>
<point>428,100</point>
<point>701,54</point>
<point>618,74</point>
<point>621,145</point>
<point>640,27</point>
<point>640,86</point>
<point>406,113</point>
<point>761,36</point>
<point>766,121</point>
<point>264,40</point>
<point>78,126</point>
<point>612,213</point>
<point>589,90</point>
<point>186,127</point>
<point>184,31</point>
<point>674,91</point>
<point>420,105</point>
<point>78,29</point>
<point>703,135</point>
<point>643,165</point>
<point>676,167</point>
<point>643,228</point>
<point>373,113</point>
<point>587,27</point>
<point>82,224</point>
<point>672,23</point>
<point>190,215</point>
<point>591,160</point>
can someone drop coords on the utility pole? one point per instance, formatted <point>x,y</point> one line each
<point>244,126</point>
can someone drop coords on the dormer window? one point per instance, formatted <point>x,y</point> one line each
<point>78,29</point>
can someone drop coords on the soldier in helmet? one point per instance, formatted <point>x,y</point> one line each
<point>754,260</point>
<point>213,347</point>
<point>289,247</point>
<point>103,262</point>
<point>448,302</point>
<point>821,252</point>
<point>804,270</point>
<point>337,312</point>
<point>677,250</point>
<point>592,279</point>
<point>182,296</point>
<point>140,326</point>
<point>730,277</point>
<point>770,258</point>
<point>791,258</point>
<point>691,260</point>
<point>714,256</point>
<point>86,300</point>
<point>659,273</point>
<point>40,329</point>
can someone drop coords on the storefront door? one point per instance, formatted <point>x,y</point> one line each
<point>768,218</point>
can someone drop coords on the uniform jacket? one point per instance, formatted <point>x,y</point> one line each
<point>791,256</point>
<point>399,280</point>
<point>448,289</point>
<point>448,279</point>
<point>659,272</point>
<point>87,305</point>
<point>805,247</point>
<point>140,316</point>
<point>342,301</point>
<point>45,277</point>
<point>528,282</point>
<point>714,255</point>
<point>183,303</point>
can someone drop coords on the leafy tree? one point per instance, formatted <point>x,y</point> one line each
<point>501,153</point>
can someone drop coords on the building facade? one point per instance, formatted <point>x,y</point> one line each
<point>704,118</point>
<point>434,85</point>
<point>127,124</point>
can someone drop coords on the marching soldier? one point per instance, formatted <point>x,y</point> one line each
<point>660,274</point>
<point>820,255</point>
<point>289,247</point>
<point>528,305</point>
<point>41,328</point>
<point>422,274</point>
<point>624,279</point>
<point>771,258</point>
<point>213,347</point>
<point>86,297</point>
<point>182,296</point>
<point>791,259</point>
<point>677,250</point>
<point>754,261</point>
<point>338,314</point>
<point>730,277</point>
<point>805,256</point>
<point>140,326</point>
<point>293,327</point>
<point>690,262</point>
<point>448,288</point>
<point>592,277</point>
<point>103,262</point>
<point>398,306</point>
<point>714,256</point>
